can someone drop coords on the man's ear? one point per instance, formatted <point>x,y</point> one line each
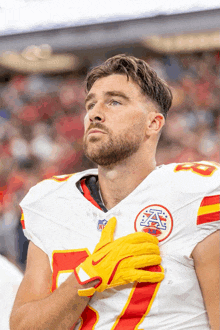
<point>155,123</point>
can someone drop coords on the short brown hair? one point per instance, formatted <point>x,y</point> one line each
<point>140,72</point>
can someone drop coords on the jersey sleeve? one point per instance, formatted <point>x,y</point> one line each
<point>36,210</point>
<point>29,218</point>
<point>208,216</point>
<point>198,191</point>
<point>31,214</point>
<point>208,212</point>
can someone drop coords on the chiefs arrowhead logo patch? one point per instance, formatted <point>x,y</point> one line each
<point>155,220</point>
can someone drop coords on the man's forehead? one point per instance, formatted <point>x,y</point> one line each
<point>116,79</point>
<point>113,84</point>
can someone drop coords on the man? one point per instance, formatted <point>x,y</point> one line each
<point>107,286</point>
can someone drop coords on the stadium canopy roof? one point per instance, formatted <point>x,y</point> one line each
<point>108,34</point>
<point>17,16</point>
<point>98,37</point>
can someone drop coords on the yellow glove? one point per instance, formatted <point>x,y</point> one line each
<point>118,262</point>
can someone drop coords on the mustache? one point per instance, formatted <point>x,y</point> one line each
<point>98,126</point>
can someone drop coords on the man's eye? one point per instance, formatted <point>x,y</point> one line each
<point>90,106</point>
<point>114,102</point>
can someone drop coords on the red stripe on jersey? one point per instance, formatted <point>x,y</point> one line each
<point>89,318</point>
<point>210,200</point>
<point>210,217</point>
<point>87,194</point>
<point>22,219</point>
<point>22,224</point>
<point>139,304</point>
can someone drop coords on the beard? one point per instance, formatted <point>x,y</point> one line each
<point>112,150</point>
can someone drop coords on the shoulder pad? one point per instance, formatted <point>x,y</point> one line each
<point>45,187</point>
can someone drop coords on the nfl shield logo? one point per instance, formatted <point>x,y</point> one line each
<point>101,224</point>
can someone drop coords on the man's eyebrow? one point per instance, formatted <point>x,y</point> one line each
<point>117,93</point>
<point>89,97</point>
<point>110,93</point>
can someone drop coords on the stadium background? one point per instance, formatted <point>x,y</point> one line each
<point>42,95</point>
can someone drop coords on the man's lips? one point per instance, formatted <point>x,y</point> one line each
<point>95,130</point>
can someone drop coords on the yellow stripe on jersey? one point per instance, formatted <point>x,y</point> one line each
<point>209,209</point>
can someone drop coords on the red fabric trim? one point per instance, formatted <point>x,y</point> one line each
<point>210,200</point>
<point>87,194</point>
<point>88,281</point>
<point>66,260</point>
<point>22,219</point>
<point>210,217</point>
<point>139,303</point>
<point>89,318</point>
<point>22,224</point>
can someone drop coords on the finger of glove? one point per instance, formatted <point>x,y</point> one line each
<point>113,253</point>
<point>107,234</point>
<point>138,249</point>
<point>139,262</point>
<point>86,292</point>
<point>142,276</point>
<point>138,237</point>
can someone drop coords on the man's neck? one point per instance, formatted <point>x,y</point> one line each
<point>118,181</point>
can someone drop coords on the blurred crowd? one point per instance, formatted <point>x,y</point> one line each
<point>41,130</point>
<point>193,124</point>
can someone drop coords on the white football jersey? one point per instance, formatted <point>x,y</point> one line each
<point>178,203</point>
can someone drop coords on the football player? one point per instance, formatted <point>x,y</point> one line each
<point>94,260</point>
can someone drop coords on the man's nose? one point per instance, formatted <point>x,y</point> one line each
<point>96,114</point>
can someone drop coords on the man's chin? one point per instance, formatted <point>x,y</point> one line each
<point>93,138</point>
<point>92,150</point>
<point>95,154</point>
